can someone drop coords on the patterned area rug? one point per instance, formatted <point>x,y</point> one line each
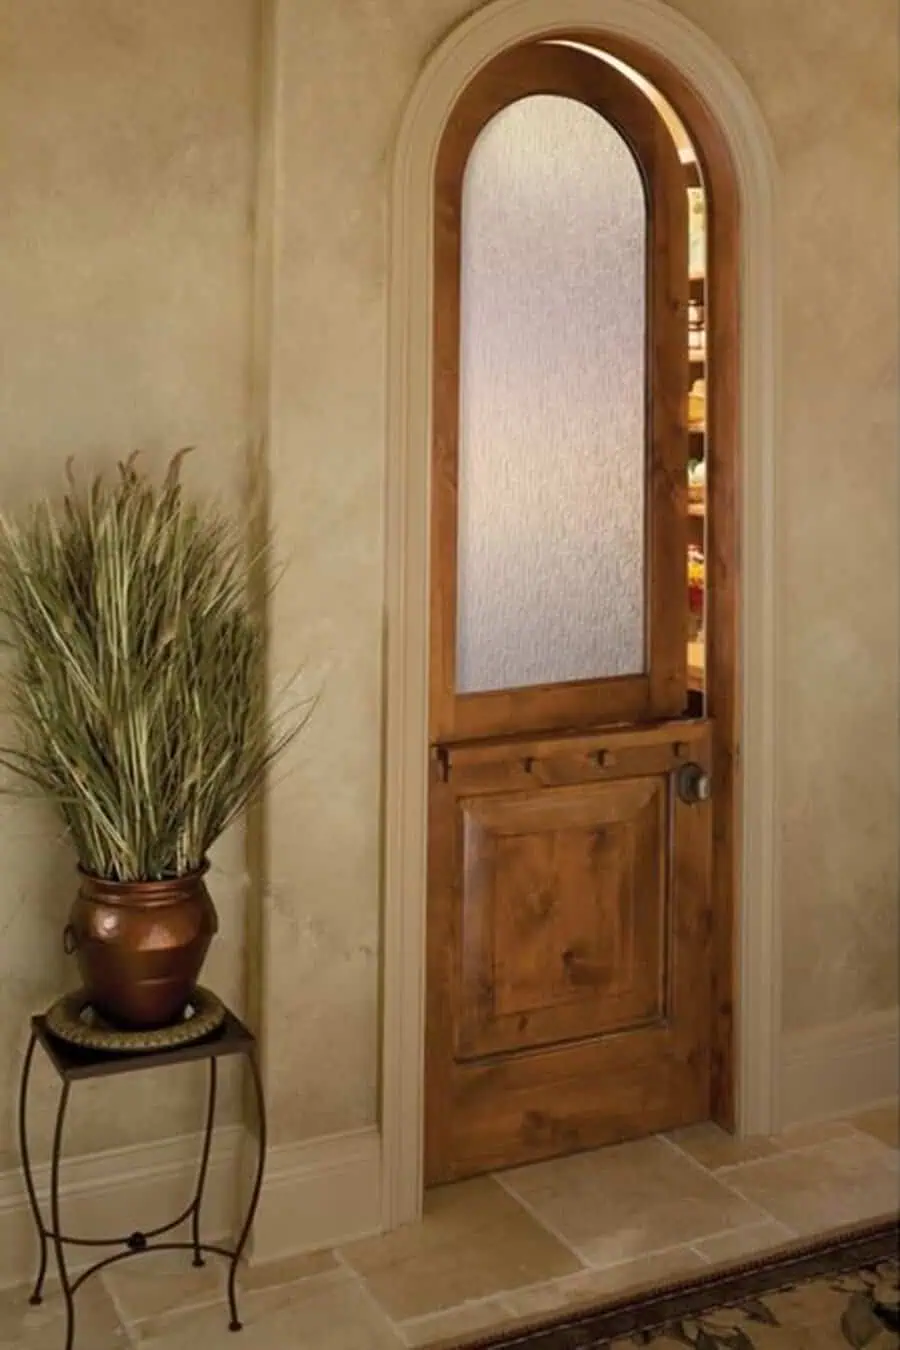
<point>835,1293</point>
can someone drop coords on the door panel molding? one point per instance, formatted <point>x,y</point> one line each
<point>494,1000</point>
<point>713,100</point>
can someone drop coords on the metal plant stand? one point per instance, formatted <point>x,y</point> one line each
<point>73,1064</point>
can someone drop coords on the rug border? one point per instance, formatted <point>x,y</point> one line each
<point>642,1297</point>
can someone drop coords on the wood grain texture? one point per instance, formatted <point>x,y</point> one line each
<point>562,914</point>
<point>568,949</point>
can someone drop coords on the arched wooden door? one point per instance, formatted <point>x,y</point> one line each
<point>568,960</point>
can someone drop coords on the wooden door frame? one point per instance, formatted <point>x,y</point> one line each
<point>738,165</point>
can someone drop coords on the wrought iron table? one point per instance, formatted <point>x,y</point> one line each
<point>73,1064</point>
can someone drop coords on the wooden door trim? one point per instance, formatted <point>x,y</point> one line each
<point>712,98</point>
<point>659,690</point>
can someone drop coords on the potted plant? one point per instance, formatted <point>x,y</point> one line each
<point>137,694</point>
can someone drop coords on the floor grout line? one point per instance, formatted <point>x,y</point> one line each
<point>782,1150</point>
<point>546,1224</point>
<point>368,1295</point>
<point>551,1282</point>
<point>851,1136</point>
<point>558,1281</point>
<point>714,1176</point>
<point>421,1318</point>
<point>760,1217</point>
<point>412,1323</point>
<point>117,1309</point>
<point>732,1190</point>
<point>678,1246</point>
<point>213,1299</point>
<point>203,1302</point>
<point>784,1232</point>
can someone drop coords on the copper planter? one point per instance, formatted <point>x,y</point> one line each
<point>140,945</point>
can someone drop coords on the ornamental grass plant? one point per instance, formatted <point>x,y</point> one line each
<point>136,681</point>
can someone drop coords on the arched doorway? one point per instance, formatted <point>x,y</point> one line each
<point>709,97</point>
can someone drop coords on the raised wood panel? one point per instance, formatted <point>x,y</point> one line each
<point>564,914</point>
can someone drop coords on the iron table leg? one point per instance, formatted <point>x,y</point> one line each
<point>204,1163</point>
<point>37,1292</point>
<point>56,1232</point>
<point>235,1323</point>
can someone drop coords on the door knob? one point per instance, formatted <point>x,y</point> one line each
<point>693,784</point>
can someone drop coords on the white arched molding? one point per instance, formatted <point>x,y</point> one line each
<point>661,31</point>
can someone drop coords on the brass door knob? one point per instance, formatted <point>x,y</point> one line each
<point>693,784</point>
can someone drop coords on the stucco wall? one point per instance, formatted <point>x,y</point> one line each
<point>127,174</point>
<point>125,259</point>
<point>825,76</point>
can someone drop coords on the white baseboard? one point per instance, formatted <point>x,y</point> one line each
<point>315,1194</point>
<point>840,1069</point>
<point>319,1193</point>
<point>117,1192</point>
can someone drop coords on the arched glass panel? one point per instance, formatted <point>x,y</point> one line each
<point>551,516</point>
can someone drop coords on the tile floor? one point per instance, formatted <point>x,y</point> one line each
<point>500,1248</point>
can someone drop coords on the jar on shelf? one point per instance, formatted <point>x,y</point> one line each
<point>696,591</point>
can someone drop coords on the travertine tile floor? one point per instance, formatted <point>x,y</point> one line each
<point>501,1248</point>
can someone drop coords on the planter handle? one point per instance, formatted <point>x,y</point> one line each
<point>70,941</point>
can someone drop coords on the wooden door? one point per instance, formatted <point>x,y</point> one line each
<point>568,952</point>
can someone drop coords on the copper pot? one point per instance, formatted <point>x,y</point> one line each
<point>140,945</point>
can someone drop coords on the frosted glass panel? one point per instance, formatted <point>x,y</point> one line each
<point>552,425</point>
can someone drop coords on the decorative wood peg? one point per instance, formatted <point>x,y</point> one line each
<point>441,760</point>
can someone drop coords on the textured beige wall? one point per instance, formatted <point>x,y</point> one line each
<point>344,71</point>
<point>825,76</point>
<point>127,151</point>
<point>127,181</point>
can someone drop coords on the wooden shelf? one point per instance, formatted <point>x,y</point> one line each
<point>697,356</point>
<point>697,509</point>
